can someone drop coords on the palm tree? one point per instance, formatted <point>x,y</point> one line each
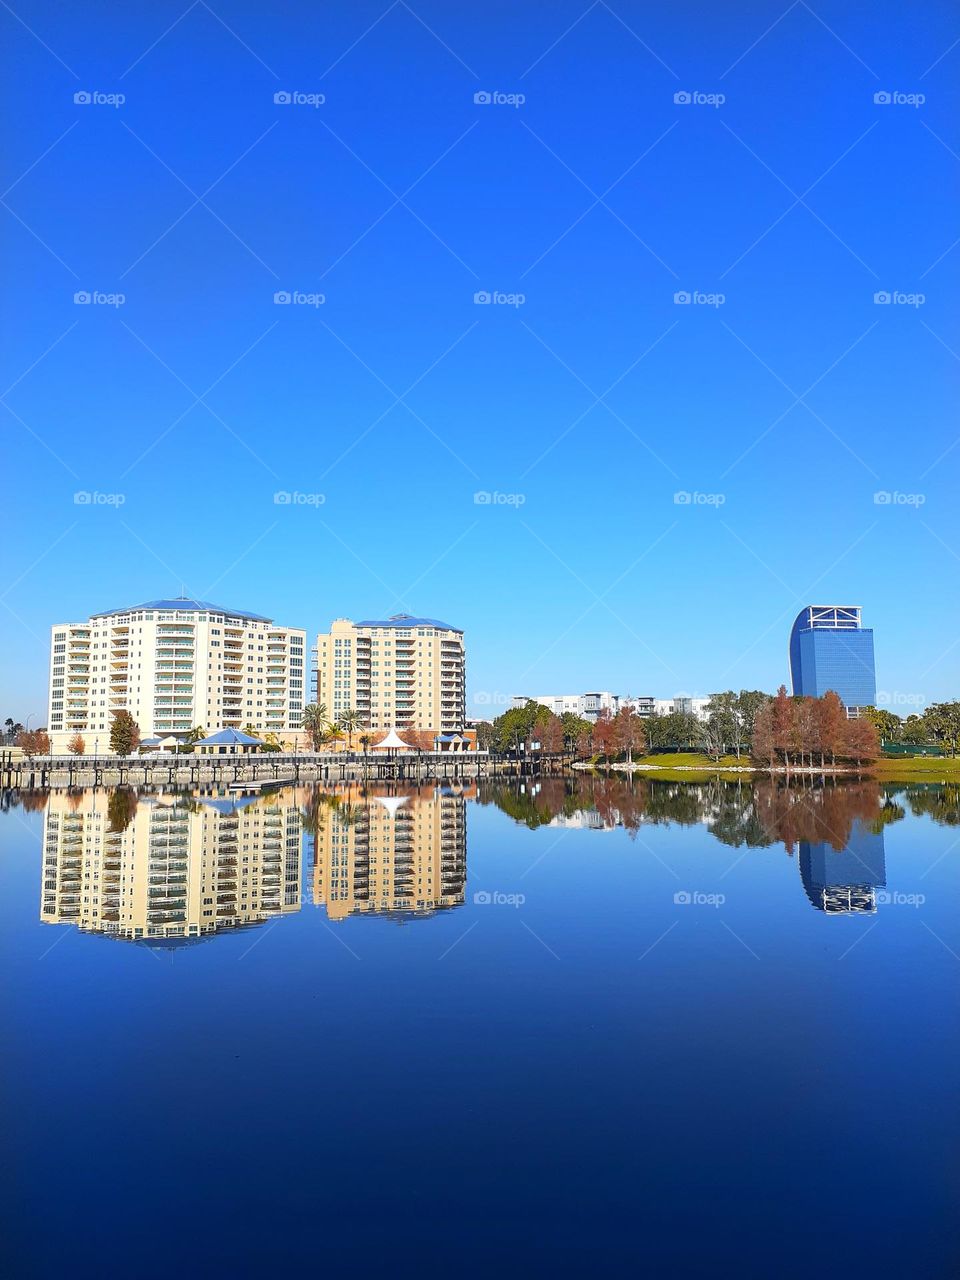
<point>316,722</point>
<point>332,736</point>
<point>349,721</point>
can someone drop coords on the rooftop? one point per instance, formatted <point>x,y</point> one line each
<point>404,620</point>
<point>184,604</point>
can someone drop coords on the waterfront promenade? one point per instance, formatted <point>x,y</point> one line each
<point>275,767</point>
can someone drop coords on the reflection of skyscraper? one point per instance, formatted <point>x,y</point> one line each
<point>402,855</point>
<point>168,868</point>
<point>846,880</point>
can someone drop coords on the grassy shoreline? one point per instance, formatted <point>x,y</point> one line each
<point>923,768</point>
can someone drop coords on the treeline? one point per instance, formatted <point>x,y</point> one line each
<point>805,732</point>
<point>756,814</point>
<point>938,725</point>
<point>778,731</point>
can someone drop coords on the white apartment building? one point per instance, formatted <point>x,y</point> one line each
<point>402,672</point>
<point>174,665</point>
<point>586,705</point>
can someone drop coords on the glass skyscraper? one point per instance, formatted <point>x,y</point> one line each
<point>829,649</point>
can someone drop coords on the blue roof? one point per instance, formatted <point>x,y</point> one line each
<point>227,736</point>
<point>405,620</point>
<point>185,604</point>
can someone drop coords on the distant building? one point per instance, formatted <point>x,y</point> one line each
<point>402,672</point>
<point>585,705</point>
<point>681,704</point>
<point>588,706</point>
<point>174,665</point>
<point>830,650</point>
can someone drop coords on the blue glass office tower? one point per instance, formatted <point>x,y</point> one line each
<point>829,649</point>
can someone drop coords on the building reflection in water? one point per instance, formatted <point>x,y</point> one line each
<point>401,855</point>
<point>836,829</point>
<point>167,869</point>
<point>844,880</point>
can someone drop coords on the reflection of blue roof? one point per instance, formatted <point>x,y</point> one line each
<point>405,620</point>
<point>227,805</point>
<point>229,737</point>
<point>185,605</point>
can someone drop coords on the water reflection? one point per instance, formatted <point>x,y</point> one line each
<point>168,869</point>
<point>835,829</point>
<point>401,855</point>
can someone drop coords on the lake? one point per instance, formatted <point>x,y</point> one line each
<point>670,1028</point>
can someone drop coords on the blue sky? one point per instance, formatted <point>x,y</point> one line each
<point>783,186</point>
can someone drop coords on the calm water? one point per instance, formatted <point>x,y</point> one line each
<point>666,1029</point>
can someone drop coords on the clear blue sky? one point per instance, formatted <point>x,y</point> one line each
<point>598,399</point>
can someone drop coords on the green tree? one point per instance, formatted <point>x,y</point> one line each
<point>889,726</point>
<point>316,722</point>
<point>124,734</point>
<point>942,721</point>
<point>577,732</point>
<point>196,734</point>
<point>349,722</point>
<point>915,731</point>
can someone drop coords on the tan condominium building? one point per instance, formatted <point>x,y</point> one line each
<point>400,856</point>
<point>175,665</point>
<point>403,672</point>
<point>168,869</point>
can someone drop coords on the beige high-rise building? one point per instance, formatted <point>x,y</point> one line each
<point>403,672</point>
<point>393,855</point>
<point>165,867</point>
<point>175,665</point>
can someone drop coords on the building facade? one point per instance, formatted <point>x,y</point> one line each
<point>831,650</point>
<point>403,672</point>
<point>175,665</point>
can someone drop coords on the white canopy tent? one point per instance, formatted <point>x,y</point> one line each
<point>392,742</point>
